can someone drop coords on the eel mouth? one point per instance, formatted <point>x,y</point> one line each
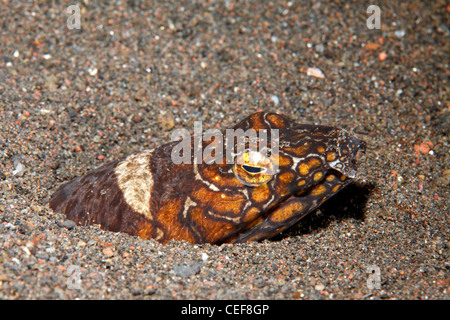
<point>351,150</point>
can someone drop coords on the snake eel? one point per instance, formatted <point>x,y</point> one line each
<point>147,194</point>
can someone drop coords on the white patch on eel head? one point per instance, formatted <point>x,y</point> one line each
<point>136,182</point>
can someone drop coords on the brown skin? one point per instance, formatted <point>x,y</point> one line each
<point>218,203</point>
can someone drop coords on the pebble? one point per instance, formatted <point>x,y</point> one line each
<point>444,179</point>
<point>81,244</point>
<point>4,277</point>
<point>315,72</point>
<point>19,169</point>
<point>400,33</point>
<point>166,121</point>
<point>320,48</point>
<point>54,165</point>
<point>50,250</point>
<point>41,256</point>
<point>187,270</point>
<point>93,71</point>
<point>275,100</point>
<point>423,148</point>
<point>371,46</point>
<point>137,117</point>
<point>319,287</point>
<point>50,83</point>
<point>140,94</point>
<point>382,56</point>
<point>108,252</point>
<point>68,224</point>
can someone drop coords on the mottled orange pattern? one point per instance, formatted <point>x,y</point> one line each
<point>148,195</point>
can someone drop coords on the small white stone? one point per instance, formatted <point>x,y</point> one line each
<point>400,33</point>
<point>319,287</point>
<point>50,250</point>
<point>275,99</point>
<point>93,71</point>
<point>315,72</point>
<point>19,170</point>
<point>81,244</point>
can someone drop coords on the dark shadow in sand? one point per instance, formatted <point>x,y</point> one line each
<point>350,203</point>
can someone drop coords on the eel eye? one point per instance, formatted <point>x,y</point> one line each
<point>253,168</point>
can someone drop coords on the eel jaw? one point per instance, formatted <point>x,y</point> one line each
<point>350,151</point>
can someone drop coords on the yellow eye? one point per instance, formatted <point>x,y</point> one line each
<point>253,168</point>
